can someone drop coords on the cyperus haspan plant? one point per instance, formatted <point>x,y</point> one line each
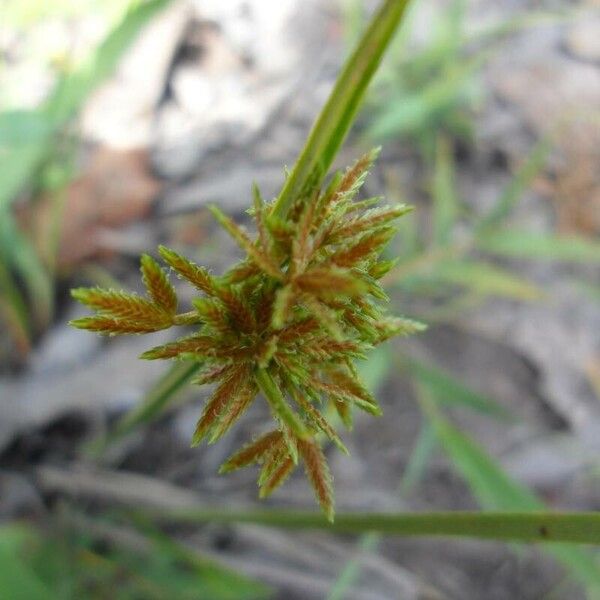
<point>288,320</point>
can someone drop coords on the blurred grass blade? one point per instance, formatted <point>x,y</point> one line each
<point>528,526</point>
<point>496,490</point>
<point>18,581</point>
<point>449,391</point>
<point>369,542</point>
<point>213,580</point>
<point>523,244</point>
<point>18,163</point>
<point>486,279</point>
<point>338,114</point>
<point>516,187</point>
<point>419,457</point>
<point>164,391</point>
<point>14,310</point>
<point>74,89</point>
<point>20,255</point>
<point>445,202</point>
<point>349,574</point>
<point>412,112</point>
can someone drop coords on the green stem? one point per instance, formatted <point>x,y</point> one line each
<point>281,409</point>
<point>339,112</point>
<point>163,392</point>
<point>580,527</point>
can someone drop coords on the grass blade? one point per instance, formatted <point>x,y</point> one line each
<point>21,160</point>
<point>20,255</point>
<point>449,391</point>
<point>369,542</point>
<point>18,581</point>
<point>486,280</point>
<point>339,112</point>
<point>517,186</point>
<point>445,202</point>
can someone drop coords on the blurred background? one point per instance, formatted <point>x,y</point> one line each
<point>120,121</point>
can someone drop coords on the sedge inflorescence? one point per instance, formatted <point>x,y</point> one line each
<point>289,320</point>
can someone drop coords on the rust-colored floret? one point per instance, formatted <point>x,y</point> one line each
<point>287,321</point>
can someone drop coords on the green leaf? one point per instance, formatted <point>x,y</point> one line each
<point>339,112</point>
<point>524,244</point>
<point>496,490</point>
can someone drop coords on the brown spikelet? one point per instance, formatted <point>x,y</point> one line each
<point>238,310</point>
<point>298,330</point>
<point>194,344</point>
<point>344,410</point>
<point>120,305</point>
<point>197,276</point>
<point>326,349</point>
<point>112,326</point>
<point>316,419</point>
<point>354,176</point>
<point>389,327</point>
<point>347,386</point>
<point>213,374</point>
<point>263,308</point>
<point>218,403</point>
<point>353,385</point>
<point>375,217</point>
<point>363,248</point>
<point>275,456</point>
<point>277,477</point>
<point>252,452</point>
<point>325,316</point>
<point>318,474</point>
<point>330,282</point>
<point>243,271</point>
<point>235,410</point>
<point>361,205</point>
<point>158,286</point>
<point>241,237</point>
<point>212,313</point>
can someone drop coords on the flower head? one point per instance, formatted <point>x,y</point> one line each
<point>288,321</point>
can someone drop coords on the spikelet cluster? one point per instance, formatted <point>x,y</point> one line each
<point>288,321</point>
